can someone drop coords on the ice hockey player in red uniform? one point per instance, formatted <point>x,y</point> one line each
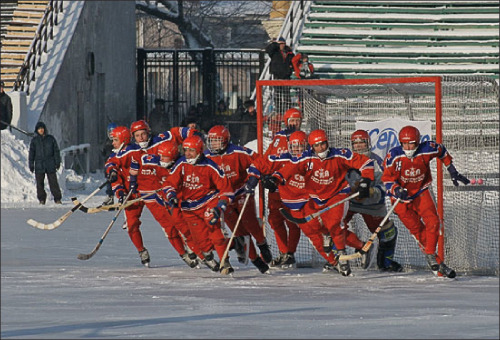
<point>120,163</point>
<point>407,176</point>
<point>372,209</point>
<point>234,161</point>
<point>205,192</point>
<point>146,174</point>
<point>294,193</point>
<point>287,234</point>
<point>324,169</point>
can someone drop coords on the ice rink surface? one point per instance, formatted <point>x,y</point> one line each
<point>46,292</point>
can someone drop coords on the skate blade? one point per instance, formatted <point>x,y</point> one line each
<point>289,266</point>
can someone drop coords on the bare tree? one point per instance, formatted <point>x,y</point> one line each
<point>212,23</point>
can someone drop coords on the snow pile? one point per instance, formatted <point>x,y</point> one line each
<point>18,183</point>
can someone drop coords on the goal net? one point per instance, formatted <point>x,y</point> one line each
<point>460,112</point>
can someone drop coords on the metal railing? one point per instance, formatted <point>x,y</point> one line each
<point>33,59</point>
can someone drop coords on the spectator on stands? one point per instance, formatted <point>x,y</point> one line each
<point>248,131</point>
<point>5,108</point>
<point>158,119</point>
<point>281,68</point>
<point>303,68</point>
<point>45,158</point>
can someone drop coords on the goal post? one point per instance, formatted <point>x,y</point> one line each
<point>460,112</point>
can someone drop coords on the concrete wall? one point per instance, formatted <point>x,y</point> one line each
<point>97,79</point>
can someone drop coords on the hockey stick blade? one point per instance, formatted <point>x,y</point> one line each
<point>289,217</point>
<point>64,217</point>
<point>98,245</point>
<point>77,202</point>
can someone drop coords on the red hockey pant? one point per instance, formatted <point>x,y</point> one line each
<point>133,214</point>
<point>314,231</point>
<point>287,240</point>
<point>332,219</point>
<point>420,217</point>
<point>206,236</point>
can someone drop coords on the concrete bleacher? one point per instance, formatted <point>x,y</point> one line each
<point>18,34</point>
<point>360,39</point>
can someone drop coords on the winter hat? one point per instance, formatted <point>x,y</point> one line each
<point>282,40</point>
<point>39,125</point>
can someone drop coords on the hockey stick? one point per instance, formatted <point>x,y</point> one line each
<point>111,207</point>
<point>224,256</point>
<point>306,219</point>
<point>63,218</point>
<point>369,243</point>
<point>96,248</point>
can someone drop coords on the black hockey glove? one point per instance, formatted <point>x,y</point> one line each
<point>270,183</point>
<point>112,176</point>
<point>364,187</point>
<point>121,196</point>
<point>455,176</point>
<point>251,184</point>
<point>401,193</point>
<point>133,184</point>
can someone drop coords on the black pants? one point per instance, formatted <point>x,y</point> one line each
<point>53,185</point>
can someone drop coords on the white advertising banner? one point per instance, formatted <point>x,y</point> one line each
<point>384,133</point>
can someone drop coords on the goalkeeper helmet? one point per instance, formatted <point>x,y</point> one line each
<point>218,138</point>
<point>297,143</point>
<point>361,136</point>
<point>409,134</point>
<point>294,114</point>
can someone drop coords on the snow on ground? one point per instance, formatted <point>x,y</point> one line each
<point>46,292</point>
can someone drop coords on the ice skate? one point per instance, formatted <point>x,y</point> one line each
<point>265,252</point>
<point>144,255</point>
<point>328,268</point>
<point>190,261</point>
<point>261,265</point>
<point>288,261</point>
<point>344,267</point>
<point>277,261</point>
<point>210,262</point>
<point>392,267</point>
<point>226,268</point>
<point>447,271</point>
<point>431,260</point>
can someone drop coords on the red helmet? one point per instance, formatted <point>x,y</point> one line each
<point>361,136</point>
<point>291,113</point>
<point>409,134</point>
<point>193,142</point>
<point>168,149</point>
<point>297,142</point>
<point>139,125</point>
<point>317,136</point>
<point>218,138</point>
<point>122,133</point>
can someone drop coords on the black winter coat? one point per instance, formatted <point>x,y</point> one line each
<point>5,110</point>
<point>281,66</point>
<point>44,154</point>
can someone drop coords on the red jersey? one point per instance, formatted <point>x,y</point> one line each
<point>234,162</point>
<point>325,178</point>
<point>198,184</point>
<point>279,144</point>
<point>413,174</point>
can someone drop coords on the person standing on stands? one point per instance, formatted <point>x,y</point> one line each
<point>281,68</point>
<point>45,158</point>
<point>106,150</point>
<point>5,108</point>
<point>158,119</point>
<point>249,122</point>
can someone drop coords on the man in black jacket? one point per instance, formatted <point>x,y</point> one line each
<point>281,67</point>
<point>5,107</point>
<point>45,158</point>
